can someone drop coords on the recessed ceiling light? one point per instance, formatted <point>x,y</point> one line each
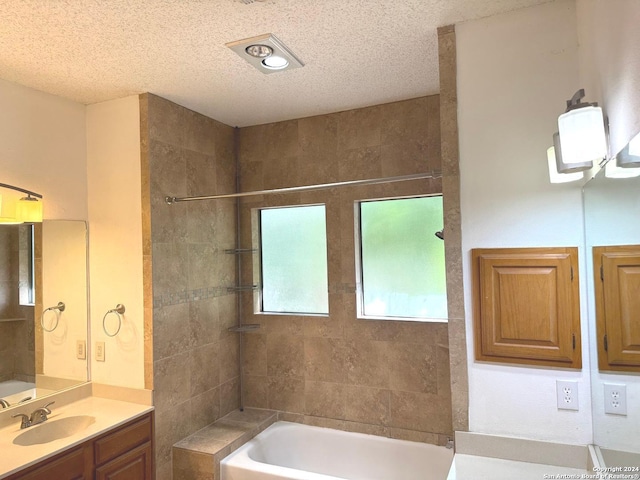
<point>266,52</point>
<point>259,51</point>
<point>275,62</point>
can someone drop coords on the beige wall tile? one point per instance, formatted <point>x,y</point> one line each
<point>420,411</point>
<point>255,354</point>
<point>204,368</point>
<point>286,394</point>
<point>367,405</point>
<point>170,335</point>
<point>323,399</point>
<point>412,367</point>
<point>229,358</point>
<point>229,396</point>
<point>325,359</point>
<point>256,391</point>
<point>285,355</point>
<point>359,128</point>
<point>205,408</point>
<point>367,363</point>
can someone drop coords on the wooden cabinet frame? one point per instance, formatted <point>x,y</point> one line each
<point>526,306</point>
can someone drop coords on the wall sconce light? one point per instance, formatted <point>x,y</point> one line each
<point>560,172</point>
<point>612,170</point>
<point>582,131</point>
<point>629,156</point>
<point>266,53</point>
<point>20,210</point>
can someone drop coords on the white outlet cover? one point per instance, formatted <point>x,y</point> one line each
<point>567,394</point>
<point>615,399</point>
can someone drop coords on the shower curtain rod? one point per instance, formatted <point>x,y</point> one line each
<point>349,183</point>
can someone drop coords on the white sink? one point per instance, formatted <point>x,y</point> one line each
<point>52,430</point>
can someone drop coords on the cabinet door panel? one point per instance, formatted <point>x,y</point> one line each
<point>135,465</point>
<point>526,306</point>
<point>73,465</point>
<point>617,294</point>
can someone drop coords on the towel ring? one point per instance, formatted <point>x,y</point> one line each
<point>119,311</point>
<point>60,308</point>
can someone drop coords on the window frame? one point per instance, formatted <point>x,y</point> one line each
<point>258,264</point>
<point>360,315</point>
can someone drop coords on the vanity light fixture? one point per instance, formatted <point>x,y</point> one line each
<point>629,156</point>
<point>266,53</point>
<point>612,170</point>
<point>560,172</point>
<point>582,131</point>
<point>23,210</point>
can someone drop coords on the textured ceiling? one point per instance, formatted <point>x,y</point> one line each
<point>356,52</point>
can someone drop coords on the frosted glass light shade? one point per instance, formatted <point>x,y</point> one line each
<point>629,156</point>
<point>8,210</point>
<point>554,175</point>
<point>582,135</point>
<point>634,146</point>
<point>611,170</point>
<point>29,210</point>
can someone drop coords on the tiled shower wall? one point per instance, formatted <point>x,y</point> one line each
<point>195,359</point>
<point>384,377</point>
<point>16,337</point>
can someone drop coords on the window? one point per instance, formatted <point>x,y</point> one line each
<point>294,260</point>
<point>402,267</point>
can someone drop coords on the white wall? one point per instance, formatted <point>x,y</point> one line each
<point>43,149</point>
<point>64,272</point>
<point>515,72</point>
<point>115,213</point>
<point>609,37</point>
<point>612,218</point>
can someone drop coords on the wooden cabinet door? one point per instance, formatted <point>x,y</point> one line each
<point>76,464</point>
<point>526,306</point>
<point>134,465</point>
<point>617,295</point>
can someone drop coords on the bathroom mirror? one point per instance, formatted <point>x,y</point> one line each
<point>612,217</point>
<point>43,309</point>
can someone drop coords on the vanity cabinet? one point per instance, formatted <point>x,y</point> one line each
<point>617,294</point>
<point>124,453</point>
<point>526,306</point>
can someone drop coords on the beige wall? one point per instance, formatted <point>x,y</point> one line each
<point>115,239</point>
<point>195,358</point>
<point>382,377</point>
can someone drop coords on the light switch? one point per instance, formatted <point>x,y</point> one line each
<point>81,349</point>
<point>100,351</point>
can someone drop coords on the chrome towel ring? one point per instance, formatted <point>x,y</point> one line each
<point>119,311</point>
<point>59,308</point>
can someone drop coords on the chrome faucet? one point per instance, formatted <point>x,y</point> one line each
<point>39,415</point>
<point>4,403</point>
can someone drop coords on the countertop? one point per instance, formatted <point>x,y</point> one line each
<point>474,467</point>
<point>108,414</point>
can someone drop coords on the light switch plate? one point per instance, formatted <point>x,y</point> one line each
<point>100,351</point>
<point>81,349</point>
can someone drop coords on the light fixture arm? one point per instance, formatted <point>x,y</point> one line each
<point>18,189</point>
<point>576,103</point>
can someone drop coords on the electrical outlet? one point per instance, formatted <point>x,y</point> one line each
<point>81,349</point>
<point>100,351</point>
<point>615,399</point>
<point>567,393</point>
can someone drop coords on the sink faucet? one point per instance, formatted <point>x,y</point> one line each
<point>4,403</point>
<point>39,415</point>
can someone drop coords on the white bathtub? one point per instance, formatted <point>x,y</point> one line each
<point>302,452</point>
<point>13,391</point>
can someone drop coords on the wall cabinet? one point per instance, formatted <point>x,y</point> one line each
<point>526,306</point>
<point>617,295</point>
<point>124,453</point>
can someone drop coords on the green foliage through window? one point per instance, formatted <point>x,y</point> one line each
<point>294,260</point>
<point>402,261</point>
